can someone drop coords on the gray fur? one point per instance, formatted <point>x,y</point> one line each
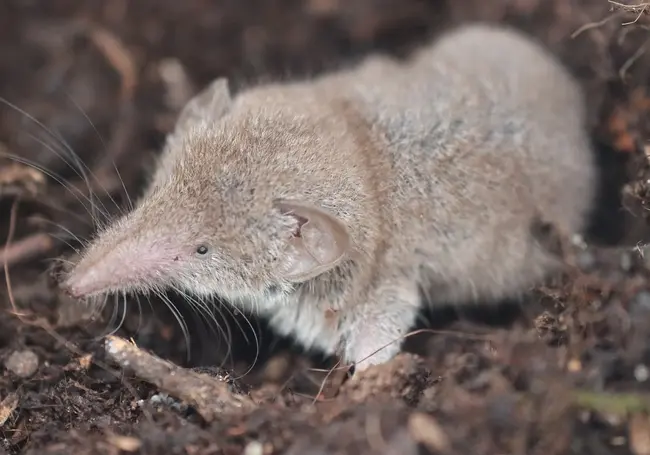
<point>431,174</point>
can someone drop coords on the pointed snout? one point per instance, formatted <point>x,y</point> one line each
<point>125,267</point>
<point>126,258</point>
<point>97,273</point>
<point>82,284</point>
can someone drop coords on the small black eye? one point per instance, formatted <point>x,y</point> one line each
<point>201,250</point>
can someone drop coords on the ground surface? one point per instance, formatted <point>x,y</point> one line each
<point>565,371</point>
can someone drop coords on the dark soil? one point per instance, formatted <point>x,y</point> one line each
<point>566,371</point>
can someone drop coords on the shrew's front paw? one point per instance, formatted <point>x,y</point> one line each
<point>372,350</point>
<point>376,330</point>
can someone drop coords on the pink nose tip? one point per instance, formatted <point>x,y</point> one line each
<point>70,289</point>
<point>76,286</point>
<point>82,283</point>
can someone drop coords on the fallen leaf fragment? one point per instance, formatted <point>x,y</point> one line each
<point>125,443</point>
<point>85,361</point>
<point>7,406</point>
<point>16,178</point>
<point>425,430</point>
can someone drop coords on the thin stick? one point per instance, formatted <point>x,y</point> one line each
<point>639,7</point>
<point>211,397</point>
<point>118,56</point>
<point>26,249</point>
<point>593,25</point>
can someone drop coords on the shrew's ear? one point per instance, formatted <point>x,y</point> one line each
<point>211,103</point>
<point>318,244</point>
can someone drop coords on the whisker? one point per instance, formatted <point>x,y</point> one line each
<point>65,230</point>
<point>59,140</point>
<point>60,259</point>
<point>140,318</point>
<point>148,298</point>
<point>57,178</point>
<point>111,322</point>
<point>227,307</point>
<point>201,308</point>
<point>99,309</point>
<point>124,312</point>
<point>228,330</point>
<point>231,311</point>
<point>82,176</point>
<point>119,325</point>
<point>257,344</point>
<point>52,205</point>
<point>200,313</point>
<point>101,139</point>
<point>63,240</point>
<point>179,318</point>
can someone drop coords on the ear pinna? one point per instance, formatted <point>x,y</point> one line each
<point>318,244</point>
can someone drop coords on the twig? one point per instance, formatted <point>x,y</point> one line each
<point>26,249</point>
<point>630,61</point>
<point>211,397</point>
<point>118,56</point>
<point>639,7</point>
<point>593,25</point>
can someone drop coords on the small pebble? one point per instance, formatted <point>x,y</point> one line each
<point>574,365</point>
<point>22,363</point>
<point>578,241</point>
<point>641,373</point>
<point>254,448</point>
<point>613,420</point>
<point>586,260</point>
<point>626,262</point>
<point>584,416</point>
